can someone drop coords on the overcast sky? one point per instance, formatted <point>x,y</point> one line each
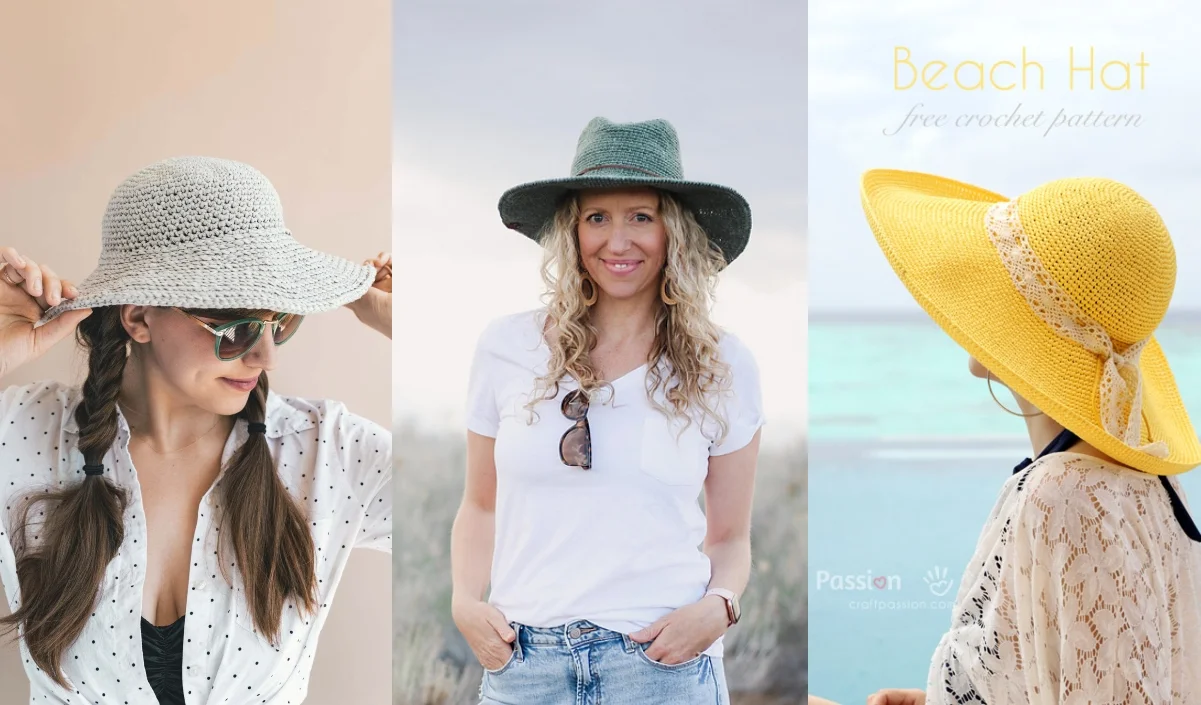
<point>852,100</point>
<point>489,95</point>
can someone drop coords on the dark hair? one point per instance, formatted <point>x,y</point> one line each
<point>62,556</point>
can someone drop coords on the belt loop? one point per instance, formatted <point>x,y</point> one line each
<point>518,654</point>
<point>629,644</point>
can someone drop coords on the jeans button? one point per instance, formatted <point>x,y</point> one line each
<point>574,633</point>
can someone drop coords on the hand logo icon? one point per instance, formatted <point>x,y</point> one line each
<point>936,579</point>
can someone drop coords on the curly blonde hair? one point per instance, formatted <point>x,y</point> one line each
<point>685,338</point>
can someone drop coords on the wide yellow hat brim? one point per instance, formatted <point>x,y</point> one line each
<point>932,230</point>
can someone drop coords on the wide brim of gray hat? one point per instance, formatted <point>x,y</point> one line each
<point>721,211</point>
<point>260,270</point>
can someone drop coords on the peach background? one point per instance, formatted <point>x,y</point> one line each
<point>301,90</point>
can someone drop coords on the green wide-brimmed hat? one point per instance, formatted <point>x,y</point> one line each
<point>618,155</point>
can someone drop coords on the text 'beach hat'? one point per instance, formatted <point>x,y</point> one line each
<point>199,232</point>
<point>1057,292</point>
<point>630,155</point>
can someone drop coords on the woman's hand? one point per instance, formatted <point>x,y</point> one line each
<point>486,631</point>
<point>26,290</point>
<point>897,696</point>
<point>685,633</point>
<point>375,307</point>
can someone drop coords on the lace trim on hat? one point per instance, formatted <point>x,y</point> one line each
<point>1121,389</point>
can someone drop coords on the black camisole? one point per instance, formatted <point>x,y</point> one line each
<point>162,650</point>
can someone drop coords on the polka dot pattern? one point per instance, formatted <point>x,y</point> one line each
<point>336,464</point>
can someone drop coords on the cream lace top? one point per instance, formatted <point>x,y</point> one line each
<point>1083,589</point>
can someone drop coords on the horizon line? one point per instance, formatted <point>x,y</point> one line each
<point>908,315</point>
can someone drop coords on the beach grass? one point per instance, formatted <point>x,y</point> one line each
<point>765,654</point>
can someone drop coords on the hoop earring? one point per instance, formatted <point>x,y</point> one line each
<point>664,295</point>
<point>988,376</point>
<point>591,297</point>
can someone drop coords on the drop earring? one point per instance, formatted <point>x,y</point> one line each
<point>667,299</point>
<point>588,289</point>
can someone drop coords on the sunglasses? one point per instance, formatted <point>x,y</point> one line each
<point>575,447</point>
<point>236,338</point>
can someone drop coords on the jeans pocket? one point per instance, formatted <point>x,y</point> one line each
<point>689,665</point>
<point>502,669</point>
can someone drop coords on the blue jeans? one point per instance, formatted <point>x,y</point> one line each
<point>582,664</point>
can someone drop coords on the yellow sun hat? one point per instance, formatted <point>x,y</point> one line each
<point>1057,292</point>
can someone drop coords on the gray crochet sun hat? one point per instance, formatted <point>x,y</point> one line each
<point>199,232</point>
<point>616,155</point>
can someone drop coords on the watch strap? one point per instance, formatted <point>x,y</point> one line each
<point>729,597</point>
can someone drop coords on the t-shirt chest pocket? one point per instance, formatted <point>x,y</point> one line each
<point>511,403</point>
<point>671,453</point>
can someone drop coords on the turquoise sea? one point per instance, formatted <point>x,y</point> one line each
<point>907,454</point>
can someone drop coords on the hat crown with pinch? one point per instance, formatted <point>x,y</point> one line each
<point>650,148</point>
<point>1107,249</point>
<point>186,202</point>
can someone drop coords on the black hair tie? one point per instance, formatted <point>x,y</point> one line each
<point>258,427</point>
<point>93,470</point>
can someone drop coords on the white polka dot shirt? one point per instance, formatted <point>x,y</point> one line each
<point>337,465</point>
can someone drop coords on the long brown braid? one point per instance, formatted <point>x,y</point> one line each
<point>265,530</point>
<point>81,527</point>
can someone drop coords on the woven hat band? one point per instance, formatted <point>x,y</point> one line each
<point>621,167</point>
<point>1121,392</point>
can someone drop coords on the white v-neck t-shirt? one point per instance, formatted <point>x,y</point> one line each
<point>620,544</point>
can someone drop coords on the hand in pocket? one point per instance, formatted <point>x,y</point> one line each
<point>486,631</point>
<point>682,635</point>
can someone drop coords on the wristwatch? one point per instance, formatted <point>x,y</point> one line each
<point>733,611</point>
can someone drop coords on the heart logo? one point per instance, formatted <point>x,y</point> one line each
<point>880,582</point>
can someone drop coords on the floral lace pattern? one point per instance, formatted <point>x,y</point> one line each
<point>1121,384</point>
<point>1083,589</point>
